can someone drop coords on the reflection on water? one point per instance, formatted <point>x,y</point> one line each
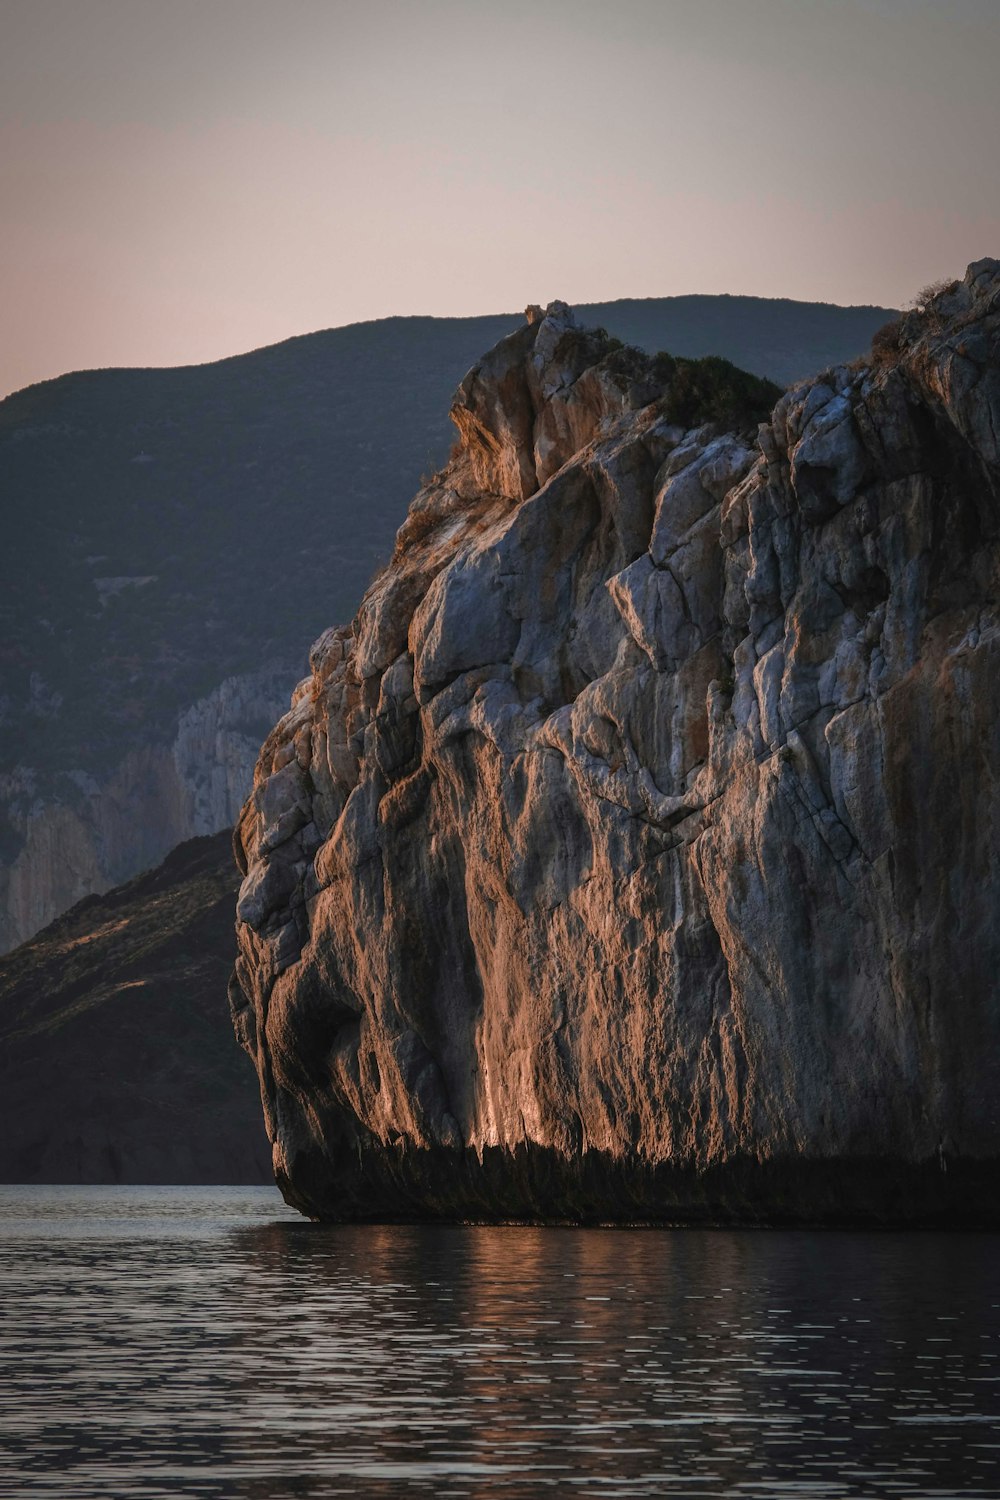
<point>186,1341</point>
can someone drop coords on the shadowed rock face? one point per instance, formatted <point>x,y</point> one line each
<point>632,853</point>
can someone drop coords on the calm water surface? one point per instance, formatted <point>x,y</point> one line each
<point>204,1342</point>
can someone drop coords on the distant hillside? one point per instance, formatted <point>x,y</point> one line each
<point>117,1060</point>
<point>157,598</point>
<point>786,341</point>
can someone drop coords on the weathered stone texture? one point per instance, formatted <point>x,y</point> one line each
<point>102,829</point>
<point>632,854</point>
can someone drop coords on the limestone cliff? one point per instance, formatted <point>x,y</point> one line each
<point>83,832</point>
<point>632,853</point>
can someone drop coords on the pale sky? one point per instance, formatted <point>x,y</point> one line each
<point>187,179</point>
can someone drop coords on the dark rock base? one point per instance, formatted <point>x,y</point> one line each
<point>375,1184</point>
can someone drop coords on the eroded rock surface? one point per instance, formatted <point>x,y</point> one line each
<point>631,855</point>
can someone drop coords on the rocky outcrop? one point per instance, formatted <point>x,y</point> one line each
<point>160,517</point>
<point>632,855</point>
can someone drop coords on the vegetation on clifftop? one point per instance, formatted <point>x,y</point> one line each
<point>713,390</point>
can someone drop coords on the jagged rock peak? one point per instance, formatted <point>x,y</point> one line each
<point>526,407</point>
<point>534,313</point>
<point>632,854</point>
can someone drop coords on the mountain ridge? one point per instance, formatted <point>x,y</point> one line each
<point>695,301</point>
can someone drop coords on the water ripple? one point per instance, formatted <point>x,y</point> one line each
<point>200,1342</point>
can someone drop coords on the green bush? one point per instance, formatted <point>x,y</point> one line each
<point>713,390</point>
<point>886,343</point>
<point>930,293</point>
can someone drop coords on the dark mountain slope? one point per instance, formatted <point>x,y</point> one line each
<point>782,340</point>
<point>116,1056</point>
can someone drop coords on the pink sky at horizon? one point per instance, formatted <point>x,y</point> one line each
<point>187,180</point>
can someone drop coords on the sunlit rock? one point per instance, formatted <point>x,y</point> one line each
<point>633,855</point>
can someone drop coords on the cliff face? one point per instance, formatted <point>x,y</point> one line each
<point>154,520</point>
<point>84,832</point>
<point>632,853</point>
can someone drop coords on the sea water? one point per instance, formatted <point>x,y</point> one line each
<point>208,1342</point>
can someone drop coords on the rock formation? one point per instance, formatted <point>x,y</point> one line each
<point>632,855</point>
<point>156,518</point>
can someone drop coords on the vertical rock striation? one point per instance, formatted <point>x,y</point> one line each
<point>632,853</point>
